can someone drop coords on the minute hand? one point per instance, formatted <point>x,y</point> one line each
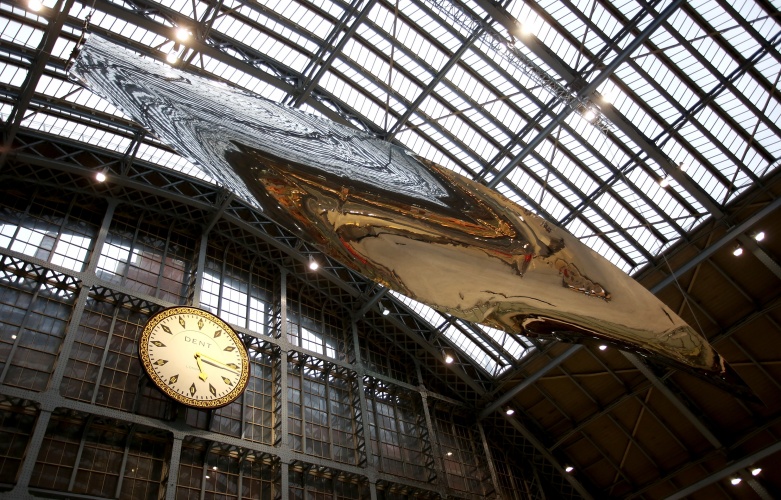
<point>216,362</point>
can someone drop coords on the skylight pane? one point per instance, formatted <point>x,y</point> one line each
<point>464,343</point>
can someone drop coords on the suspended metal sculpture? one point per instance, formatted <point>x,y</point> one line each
<point>396,218</point>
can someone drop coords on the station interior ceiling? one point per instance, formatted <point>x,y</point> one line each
<point>649,130</point>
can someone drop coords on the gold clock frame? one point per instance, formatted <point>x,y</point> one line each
<point>143,356</point>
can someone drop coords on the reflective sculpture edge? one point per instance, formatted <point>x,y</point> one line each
<point>412,225</point>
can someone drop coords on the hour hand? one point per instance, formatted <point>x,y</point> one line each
<point>202,375</point>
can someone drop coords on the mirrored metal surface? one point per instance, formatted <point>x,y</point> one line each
<point>412,225</point>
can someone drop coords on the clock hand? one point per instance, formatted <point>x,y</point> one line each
<point>215,362</point>
<point>203,374</point>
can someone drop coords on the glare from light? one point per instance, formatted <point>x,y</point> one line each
<point>735,481</point>
<point>664,182</point>
<point>449,453</point>
<point>509,411</point>
<point>449,359</point>
<point>589,115</point>
<point>214,467</point>
<point>182,34</point>
<point>35,5</point>
<point>602,347</point>
<point>569,468</point>
<point>313,265</point>
<point>755,471</point>
<point>738,251</point>
<point>100,177</point>
<point>13,337</point>
<point>385,310</point>
<point>207,476</point>
<point>682,166</point>
<point>759,236</point>
<point>172,57</point>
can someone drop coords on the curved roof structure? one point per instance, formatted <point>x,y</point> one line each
<point>650,130</point>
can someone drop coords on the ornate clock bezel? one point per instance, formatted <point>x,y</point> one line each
<point>143,356</point>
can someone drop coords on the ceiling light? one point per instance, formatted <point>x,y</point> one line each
<point>664,182</point>
<point>755,471</point>
<point>589,114</point>
<point>735,481</point>
<point>207,476</point>
<point>182,34</point>
<point>682,167</point>
<point>738,251</point>
<point>101,176</point>
<point>172,57</point>
<point>13,337</point>
<point>449,359</point>
<point>569,468</point>
<point>759,236</point>
<point>384,310</point>
<point>509,411</point>
<point>313,265</point>
<point>35,5</point>
<point>602,347</point>
<point>449,453</point>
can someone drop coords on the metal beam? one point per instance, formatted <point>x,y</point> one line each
<point>588,90</point>
<point>433,84</point>
<point>334,51</point>
<point>534,441</point>
<point>727,471</point>
<point>725,240</point>
<point>528,381</point>
<point>659,385</point>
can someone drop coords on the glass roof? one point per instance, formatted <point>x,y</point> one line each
<point>685,123</point>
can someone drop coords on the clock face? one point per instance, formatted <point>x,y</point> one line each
<point>194,357</point>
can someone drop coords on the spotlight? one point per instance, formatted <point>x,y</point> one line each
<point>602,347</point>
<point>735,481</point>
<point>385,311</point>
<point>35,5</point>
<point>313,265</point>
<point>182,34</point>
<point>449,453</point>
<point>509,411</point>
<point>449,359</point>
<point>759,236</point>
<point>172,57</point>
<point>569,468</point>
<point>755,471</point>
<point>738,251</point>
<point>682,167</point>
<point>664,182</point>
<point>101,176</point>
